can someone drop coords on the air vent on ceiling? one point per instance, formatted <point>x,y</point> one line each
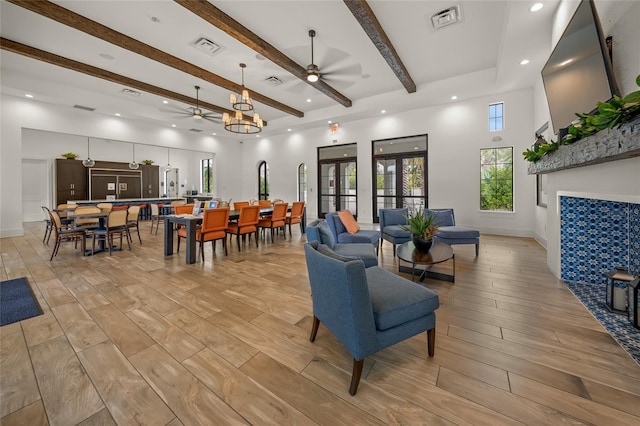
<point>195,130</point>
<point>131,92</point>
<point>86,108</point>
<point>446,17</point>
<point>205,45</point>
<point>273,81</point>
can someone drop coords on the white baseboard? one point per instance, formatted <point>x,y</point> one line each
<point>540,239</point>
<point>6,233</point>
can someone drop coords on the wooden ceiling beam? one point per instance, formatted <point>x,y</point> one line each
<point>88,26</point>
<point>51,58</point>
<point>226,23</point>
<point>369,23</point>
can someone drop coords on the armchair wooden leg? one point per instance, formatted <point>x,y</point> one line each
<point>477,248</point>
<point>314,328</point>
<point>355,376</point>
<point>431,341</point>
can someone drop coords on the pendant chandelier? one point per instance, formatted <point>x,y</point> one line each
<point>133,165</point>
<point>242,103</point>
<point>88,162</point>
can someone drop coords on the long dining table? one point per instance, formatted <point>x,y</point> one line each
<point>191,223</point>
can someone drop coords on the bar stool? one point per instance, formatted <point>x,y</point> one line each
<point>616,292</point>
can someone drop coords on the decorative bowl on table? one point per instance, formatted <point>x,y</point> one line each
<point>421,244</point>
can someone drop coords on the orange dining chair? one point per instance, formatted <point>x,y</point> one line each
<point>276,220</point>
<point>264,203</point>
<point>184,209</point>
<point>116,226</point>
<point>239,204</point>
<point>297,209</point>
<point>178,203</point>
<point>64,234</point>
<point>247,224</point>
<point>214,227</point>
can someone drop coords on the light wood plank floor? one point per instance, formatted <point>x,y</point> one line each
<point>137,338</point>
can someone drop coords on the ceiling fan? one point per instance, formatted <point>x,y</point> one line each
<point>196,112</point>
<point>313,73</point>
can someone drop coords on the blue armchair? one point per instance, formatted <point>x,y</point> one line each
<point>319,231</point>
<point>390,221</point>
<point>449,232</point>
<point>343,237</point>
<point>367,309</point>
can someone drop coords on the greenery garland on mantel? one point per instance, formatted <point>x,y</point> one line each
<point>608,115</point>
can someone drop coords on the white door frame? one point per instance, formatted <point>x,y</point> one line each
<point>44,189</point>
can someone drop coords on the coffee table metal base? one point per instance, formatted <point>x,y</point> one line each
<point>423,262</point>
<point>426,272</point>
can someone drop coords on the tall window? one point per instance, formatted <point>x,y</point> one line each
<point>496,179</point>
<point>206,171</point>
<point>263,181</point>
<point>337,179</point>
<point>302,182</point>
<point>400,173</point>
<point>496,117</point>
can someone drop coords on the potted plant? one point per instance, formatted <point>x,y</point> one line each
<point>422,229</point>
<point>70,155</point>
<point>147,162</point>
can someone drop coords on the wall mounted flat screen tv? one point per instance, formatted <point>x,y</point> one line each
<point>578,73</point>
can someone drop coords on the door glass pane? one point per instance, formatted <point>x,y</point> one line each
<point>327,179</point>
<point>348,202</point>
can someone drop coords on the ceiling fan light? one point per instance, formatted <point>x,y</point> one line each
<point>312,77</point>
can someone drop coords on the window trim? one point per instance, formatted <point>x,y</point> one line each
<point>202,165</point>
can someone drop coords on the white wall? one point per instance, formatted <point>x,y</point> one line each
<point>619,19</point>
<point>48,131</point>
<point>456,132</point>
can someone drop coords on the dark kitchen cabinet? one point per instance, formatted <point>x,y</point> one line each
<point>71,180</point>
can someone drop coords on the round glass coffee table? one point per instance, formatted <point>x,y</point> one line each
<point>438,253</point>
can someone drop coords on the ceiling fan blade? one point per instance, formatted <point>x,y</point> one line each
<point>347,73</point>
<point>186,113</point>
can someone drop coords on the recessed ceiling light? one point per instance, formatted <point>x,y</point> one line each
<point>165,102</point>
<point>383,111</point>
<point>288,130</point>
<point>117,114</point>
<point>454,97</point>
<point>329,121</point>
<point>257,136</point>
<point>213,133</point>
<point>308,100</point>
<point>536,7</point>
<point>28,95</point>
<point>416,148</point>
<point>524,62</point>
<point>566,62</point>
<point>173,125</point>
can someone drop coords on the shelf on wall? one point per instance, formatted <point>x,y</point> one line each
<point>606,145</point>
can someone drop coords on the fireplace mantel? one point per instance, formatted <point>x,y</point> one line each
<point>606,145</point>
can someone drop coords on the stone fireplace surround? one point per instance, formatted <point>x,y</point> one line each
<point>598,233</point>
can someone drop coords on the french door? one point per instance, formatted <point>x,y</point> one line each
<point>337,180</point>
<point>400,178</point>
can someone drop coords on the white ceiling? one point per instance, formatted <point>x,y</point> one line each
<point>479,56</point>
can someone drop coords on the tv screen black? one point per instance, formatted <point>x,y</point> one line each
<point>578,73</point>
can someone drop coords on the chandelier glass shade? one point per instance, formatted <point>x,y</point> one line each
<point>241,103</point>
